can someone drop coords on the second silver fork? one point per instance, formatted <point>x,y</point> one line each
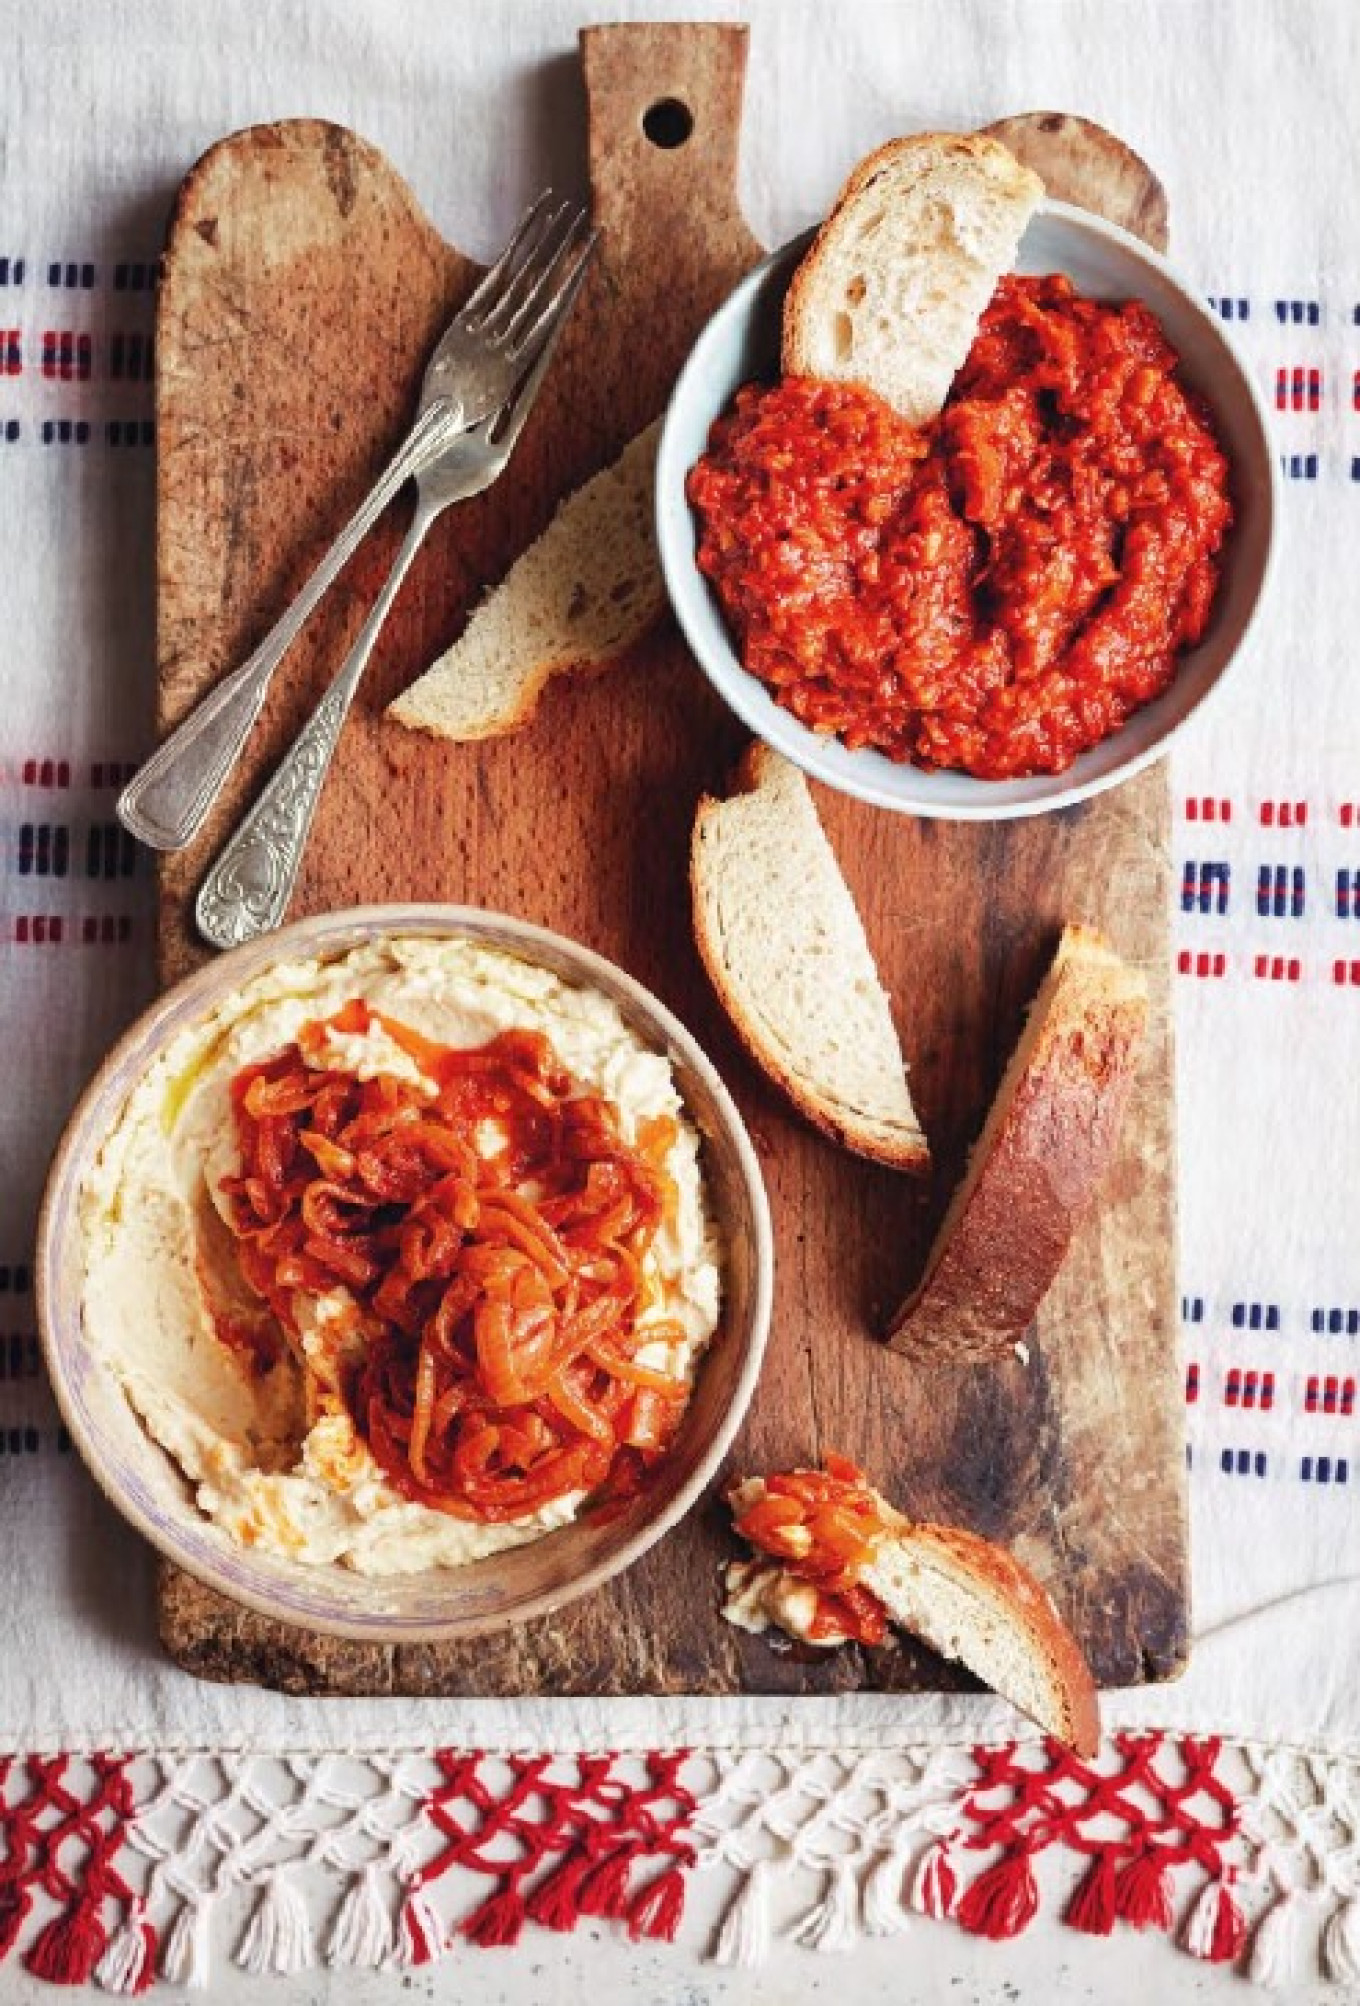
<point>246,892</point>
<point>494,338</point>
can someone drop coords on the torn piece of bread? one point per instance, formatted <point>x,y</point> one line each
<point>585,591</point>
<point>785,949</point>
<point>1038,1163</point>
<point>966,1597</point>
<point>891,292</point>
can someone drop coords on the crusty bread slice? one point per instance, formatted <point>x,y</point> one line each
<point>786,951</point>
<point>891,292</point>
<point>972,1601</point>
<point>576,599</point>
<point>966,1597</point>
<point>1043,1151</point>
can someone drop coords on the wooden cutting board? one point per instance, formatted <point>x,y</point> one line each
<point>302,290</point>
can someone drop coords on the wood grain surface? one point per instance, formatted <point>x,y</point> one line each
<point>302,290</point>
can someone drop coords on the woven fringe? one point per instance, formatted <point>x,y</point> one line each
<point>833,1926</point>
<point>67,1949</point>
<point>362,1933</point>
<point>278,1936</point>
<point>885,1908</point>
<point>935,1884</point>
<point>1142,1893</point>
<point>1275,1947</point>
<point>421,1936</point>
<point>1217,1928</point>
<point>129,1963</point>
<point>744,1939</point>
<point>555,1902</point>
<point>15,1902</point>
<point>499,1922</point>
<point>656,1911</point>
<point>1092,1907</point>
<point>1002,1901</point>
<point>1341,1944</point>
<point>186,1957</point>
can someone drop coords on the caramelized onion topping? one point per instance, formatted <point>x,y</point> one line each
<point>821,1526</point>
<point>491,1228</point>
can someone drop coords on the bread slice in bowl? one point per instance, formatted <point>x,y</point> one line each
<point>576,599</point>
<point>1038,1163</point>
<point>966,1597</point>
<point>893,287</point>
<point>786,951</point>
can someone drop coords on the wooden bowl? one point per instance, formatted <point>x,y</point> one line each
<point>442,1604</point>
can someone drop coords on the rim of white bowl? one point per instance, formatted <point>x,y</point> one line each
<point>79,1144</point>
<point>748,697</point>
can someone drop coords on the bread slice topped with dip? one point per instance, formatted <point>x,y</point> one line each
<point>786,951</point>
<point>891,292</point>
<point>835,1563</point>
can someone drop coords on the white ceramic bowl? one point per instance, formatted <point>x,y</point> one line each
<point>149,1490</point>
<point>742,341</point>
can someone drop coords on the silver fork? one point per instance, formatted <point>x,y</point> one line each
<point>481,357</point>
<point>248,888</point>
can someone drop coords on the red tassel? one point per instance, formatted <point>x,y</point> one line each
<point>554,1902</point>
<point>68,1949</point>
<point>15,1902</point>
<point>604,1891</point>
<point>498,1922</point>
<point>1142,1893</point>
<point>1002,1901</point>
<point>1091,1908</point>
<point>657,1910</point>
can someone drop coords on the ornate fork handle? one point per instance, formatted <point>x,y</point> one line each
<point>166,801</point>
<point>248,888</point>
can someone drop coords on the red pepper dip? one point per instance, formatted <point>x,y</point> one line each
<point>997,592</point>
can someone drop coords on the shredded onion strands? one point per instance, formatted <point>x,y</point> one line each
<point>498,1290</point>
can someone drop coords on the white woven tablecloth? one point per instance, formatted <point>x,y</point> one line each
<point>1248,109</point>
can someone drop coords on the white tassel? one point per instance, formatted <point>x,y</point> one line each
<point>885,1911</point>
<point>1274,1950</point>
<point>187,1949</point>
<point>279,1934</point>
<point>122,1968</point>
<point>833,1927</point>
<point>1341,1944</point>
<point>744,1938</point>
<point>420,1936</point>
<point>363,1929</point>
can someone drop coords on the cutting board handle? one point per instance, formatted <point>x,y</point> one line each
<point>664,124</point>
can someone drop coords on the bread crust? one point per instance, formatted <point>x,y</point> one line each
<point>994,1573</point>
<point>1047,1144</point>
<point>899,1150</point>
<point>800,300</point>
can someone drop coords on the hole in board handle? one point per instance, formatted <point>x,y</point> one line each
<point>668,123</point>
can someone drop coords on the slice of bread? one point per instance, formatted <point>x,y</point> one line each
<point>585,591</point>
<point>785,949</point>
<point>891,292</point>
<point>1035,1168</point>
<point>966,1597</point>
<point>972,1601</point>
